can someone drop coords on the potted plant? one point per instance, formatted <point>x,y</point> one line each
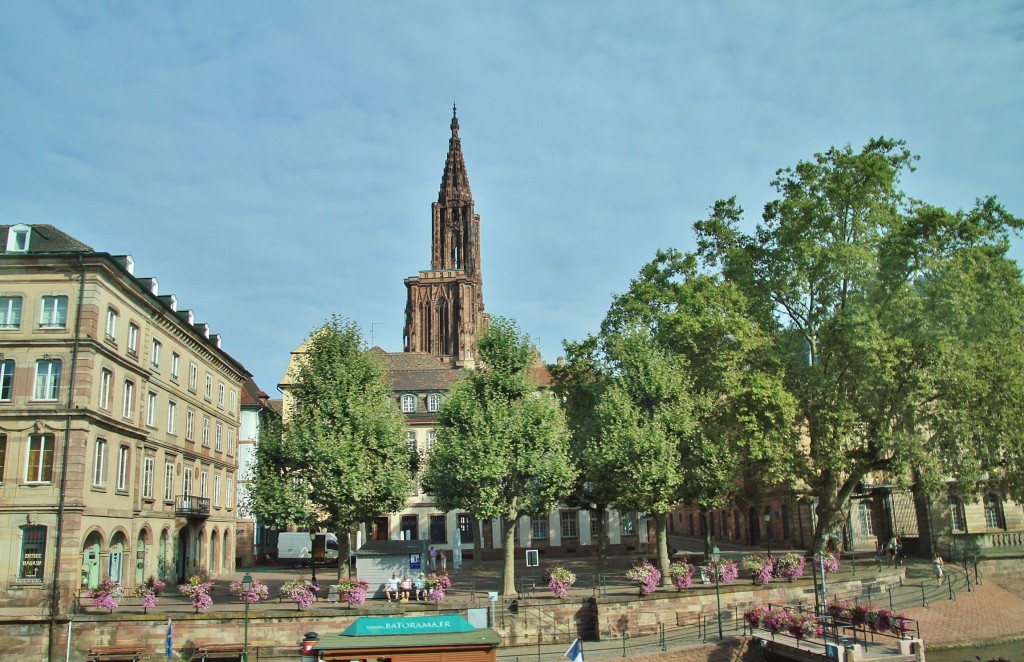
<point>755,614</point>
<point>353,590</point>
<point>149,591</point>
<point>727,571</point>
<point>760,567</point>
<point>791,566</point>
<point>829,561</point>
<point>681,574</point>
<point>437,584</point>
<point>107,595</point>
<point>560,580</point>
<point>804,625</point>
<point>198,593</point>
<point>646,575</point>
<point>300,591</point>
<point>775,620</point>
<point>256,592</point>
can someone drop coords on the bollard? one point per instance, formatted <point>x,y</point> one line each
<point>309,641</point>
<point>924,600</point>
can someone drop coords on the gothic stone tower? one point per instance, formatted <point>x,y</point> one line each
<point>444,310</point>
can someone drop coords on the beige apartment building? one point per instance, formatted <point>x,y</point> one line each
<point>119,419</point>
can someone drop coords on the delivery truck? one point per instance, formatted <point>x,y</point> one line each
<point>297,547</point>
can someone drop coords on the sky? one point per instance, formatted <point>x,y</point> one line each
<point>273,163</point>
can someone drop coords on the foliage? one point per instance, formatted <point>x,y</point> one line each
<point>340,457</point>
<point>502,445</point>
<point>880,621</point>
<point>790,566</point>
<point>300,591</point>
<point>804,625</point>
<point>726,570</point>
<point>828,561</point>
<point>353,591</point>
<point>437,584</point>
<point>256,592</point>
<point>107,595</point>
<point>646,575</point>
<point>561,579</point>
<point>148,591</point>
<point>197,591</point>
<point>899,324</point>
<point>760,567</point>
<point>681,573</point>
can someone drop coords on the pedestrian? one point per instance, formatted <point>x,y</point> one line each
<point>891,549</point>
<point>937,564</point>
<point>899,551</point>
<point>433,559</point>
<point>444,560</point>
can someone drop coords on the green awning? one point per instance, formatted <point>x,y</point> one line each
<point>439,624</point>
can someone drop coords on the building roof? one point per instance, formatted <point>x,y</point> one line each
<point>417,371</point>
<point>253,395</point>
<point>48,239</point>
<point>475,638</point>
<point>392,548</point>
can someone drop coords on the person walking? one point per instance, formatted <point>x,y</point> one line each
<point>444,560</point>
<point>899,551</point>
<point>938,565</point>
<point>891,549</point>
<point>433,559</point>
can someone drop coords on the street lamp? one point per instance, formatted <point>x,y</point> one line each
<point>768,530</point>
<point>716,557</point>
<point>312,554</point>
<point>246,586</point>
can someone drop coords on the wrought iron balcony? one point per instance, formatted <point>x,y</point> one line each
<point>191,506</point>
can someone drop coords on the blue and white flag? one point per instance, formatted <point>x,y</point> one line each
<point>575,652</point>
<point>167,647</point>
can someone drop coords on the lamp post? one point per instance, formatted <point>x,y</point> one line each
<point>768,531</point>
<point>246,586</point>
<point>716,557</point>
<point>312,554</point>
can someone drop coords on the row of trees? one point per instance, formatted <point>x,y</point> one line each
<point>851,331</point>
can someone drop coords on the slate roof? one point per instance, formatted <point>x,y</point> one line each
<point>475,638</point>
<point>48,239</point>
<point>418,371</point>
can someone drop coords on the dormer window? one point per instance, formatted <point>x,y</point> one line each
<point>408,403</point>
<point>433,402</point>
<point>17,238</point>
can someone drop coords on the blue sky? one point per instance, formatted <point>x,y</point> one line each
<point>272,163</point>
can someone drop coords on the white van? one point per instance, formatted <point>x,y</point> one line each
<point>295,546</point>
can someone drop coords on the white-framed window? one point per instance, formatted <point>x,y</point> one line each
<point>220,394</point>
<point>570,523</point>
<point>154,353</point>
<point>208,393</point>
<point>232,441</point>
<point>410,441</point>
<point>229,495</point>
<point>128,399</point>
<point>17,241</point>
<point>216,491</point>
<point>218,439</point>
<point>122,468</point>
<point>206,431</point>
<point>168,481</point>
<point>433,402</point>
<point>190,425</point>
<point>133,339</point>
<point>957,515</point>
<point>231,402</point>
<point>151,409</point>
<point>175,365</point>
<point>10,312</point>
<point>148,466</point>
<point>994,512</point>
<point>39,463</point>
<point>193,376</point>
<point>539,528</point>
<point>33,553</point>
<point>431,440</point>
<point>53,313</point>
<point>408,403</point>
<point>111,328</point>
<point>204,486</point>
<point>186,482</point>
<point>6,382</point>
<point>106,378</point>
<point>47,380</point>
<point>99,463</point>
<point>172,417</point>
<point>628,524</point>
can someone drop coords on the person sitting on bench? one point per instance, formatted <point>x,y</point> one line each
<point>391,588</point>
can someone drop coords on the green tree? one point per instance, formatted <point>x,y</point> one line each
<point>340,457</point>
<point>899,324</point>
<point>501,449</point>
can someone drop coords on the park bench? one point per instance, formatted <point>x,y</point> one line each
<point>205,652</point>
<point>112,653</point>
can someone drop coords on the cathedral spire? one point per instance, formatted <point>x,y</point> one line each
<point>455,180</point>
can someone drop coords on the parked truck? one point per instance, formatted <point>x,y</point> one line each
<point>297,547</point>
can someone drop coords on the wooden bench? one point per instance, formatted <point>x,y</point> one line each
<point>205,652</point>
<point>120,652</point>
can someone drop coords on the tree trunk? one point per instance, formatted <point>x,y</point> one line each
<point>661,526</point>
<point>705,518</point>
<point>601,518</point>
<point>509,573</point>
<point>344,553</point>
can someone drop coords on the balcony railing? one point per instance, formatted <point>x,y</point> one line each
<point>989,543</point>
<point>191,506</point>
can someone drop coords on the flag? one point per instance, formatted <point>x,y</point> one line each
<point>575,652</point>
<point>167,647</point>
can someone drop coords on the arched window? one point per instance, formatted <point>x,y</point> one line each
<point>408,403</point>
<point>994,512</point>
<point>957,517</point>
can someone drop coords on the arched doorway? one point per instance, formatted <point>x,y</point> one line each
<point>140,557</point>
<point>225,566</point>
<point>115,562</point>
<point>214,548</point>
<point>183,554</point>
<point>162,567</point>
<point>91,560</point>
